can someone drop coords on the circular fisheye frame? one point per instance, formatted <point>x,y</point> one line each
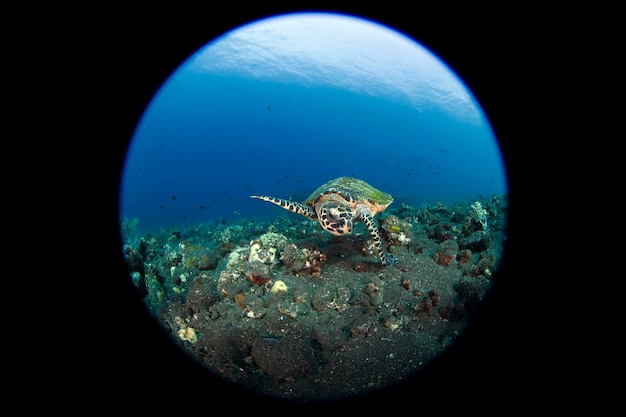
<point>313,206</point>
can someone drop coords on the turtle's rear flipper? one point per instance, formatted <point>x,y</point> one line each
<point>292,206</point>
<point>386,259</point>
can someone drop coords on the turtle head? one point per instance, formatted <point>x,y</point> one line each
<point>335,218</point>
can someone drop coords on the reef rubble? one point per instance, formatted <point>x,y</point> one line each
<point>285,309</point>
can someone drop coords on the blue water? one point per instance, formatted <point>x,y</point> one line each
<point>210,140</point>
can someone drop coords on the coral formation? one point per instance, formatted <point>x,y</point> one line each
<point>285,308</point>
<point>476,219</point>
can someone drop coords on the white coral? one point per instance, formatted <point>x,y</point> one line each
<point>403,239</point>
<point>479,214</point>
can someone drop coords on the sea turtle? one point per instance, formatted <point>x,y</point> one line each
<point>338,203</point>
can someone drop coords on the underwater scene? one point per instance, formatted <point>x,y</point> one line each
<point>312,206</point>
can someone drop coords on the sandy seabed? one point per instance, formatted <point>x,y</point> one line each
<point>284,309</point>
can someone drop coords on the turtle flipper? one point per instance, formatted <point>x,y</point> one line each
<point>292,206</point>
<point>386,259</point>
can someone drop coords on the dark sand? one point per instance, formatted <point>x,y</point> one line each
<point>342,324</point>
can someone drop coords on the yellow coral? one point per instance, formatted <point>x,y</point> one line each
<point>279,286</point>
<point>188,334</point>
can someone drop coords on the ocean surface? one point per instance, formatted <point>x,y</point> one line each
<point>261,112</point>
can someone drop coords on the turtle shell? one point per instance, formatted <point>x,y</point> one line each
<point>353,191</point>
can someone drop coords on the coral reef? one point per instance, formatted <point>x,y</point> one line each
<point>288,309</point>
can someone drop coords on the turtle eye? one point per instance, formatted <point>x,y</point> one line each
<point>333,214</point>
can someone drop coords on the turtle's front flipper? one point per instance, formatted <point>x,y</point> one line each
<point>298,208</point>
<point>386,259</point>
